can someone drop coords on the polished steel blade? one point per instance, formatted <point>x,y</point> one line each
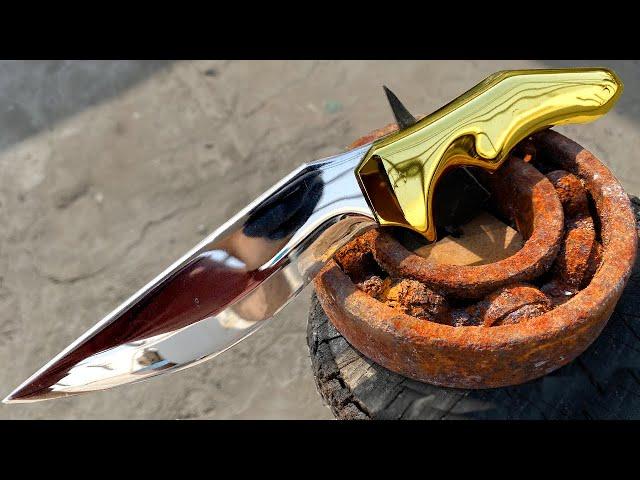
<point>222,290</point>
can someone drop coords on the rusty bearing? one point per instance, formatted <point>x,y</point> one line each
<point>527,198</point>
<point>518,331</point>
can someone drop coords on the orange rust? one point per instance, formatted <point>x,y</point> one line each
<point>525,196</point>
<point>373,285</point>
<point>593,263</point>
<point>356,258</point>
<point>578,258</point>
<point>370,137</point>
<point>571,265</point>
<point>414,298</point>
<point>510,304</point>
<point>528,335</point>
<point>571,193</point>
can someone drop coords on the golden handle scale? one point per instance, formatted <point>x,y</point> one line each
<point>400,172</point>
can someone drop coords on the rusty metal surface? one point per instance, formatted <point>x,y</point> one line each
<point>510,304</point>
<point>580,253</point>
<point>529,199</point>
<point>524,195</point>
<point>516,332</point>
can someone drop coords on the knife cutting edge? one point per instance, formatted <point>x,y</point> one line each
<point>247,270</point>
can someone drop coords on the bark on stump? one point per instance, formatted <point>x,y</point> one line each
<point>602,383</point>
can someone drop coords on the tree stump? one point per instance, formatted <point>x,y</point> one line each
<point>602,383</point>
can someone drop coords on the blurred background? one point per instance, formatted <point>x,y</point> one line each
<point>113,169</point>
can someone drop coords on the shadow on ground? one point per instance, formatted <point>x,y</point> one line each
<point>35,95</point>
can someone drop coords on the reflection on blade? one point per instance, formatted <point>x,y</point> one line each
<point>222,290</point>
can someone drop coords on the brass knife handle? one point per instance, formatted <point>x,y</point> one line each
<point>400,172</point>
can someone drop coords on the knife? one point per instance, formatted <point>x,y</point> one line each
<point>248,269</point>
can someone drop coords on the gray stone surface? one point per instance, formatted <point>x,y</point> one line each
<point>111,170</point>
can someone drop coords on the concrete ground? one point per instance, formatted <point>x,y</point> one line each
<point>111,170</point>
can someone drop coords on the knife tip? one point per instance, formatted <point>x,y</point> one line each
<point>13,397</point>
<point>9,399</point>
<point>16,397</point>
<point>22,394</point>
